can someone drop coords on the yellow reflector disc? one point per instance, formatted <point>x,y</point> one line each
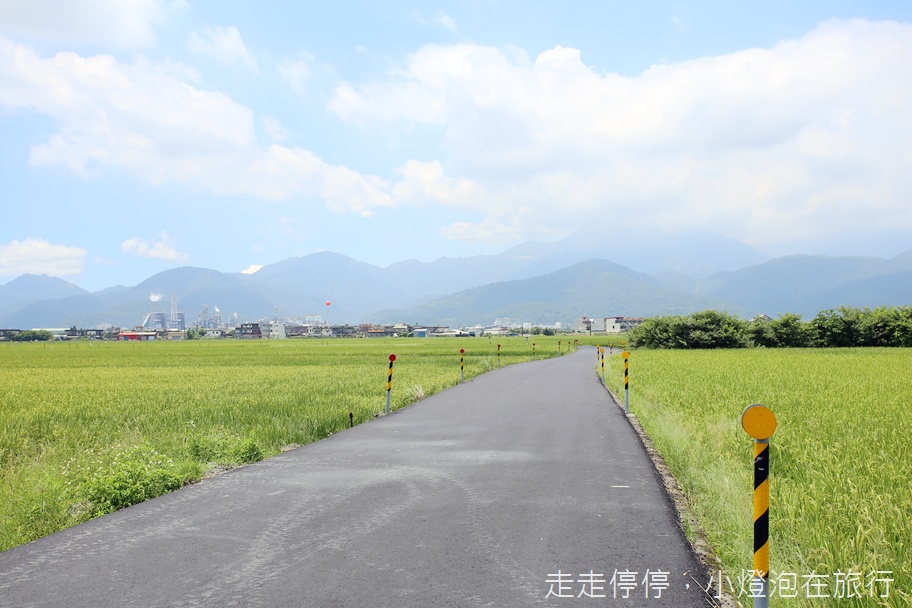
<point>759,421</point>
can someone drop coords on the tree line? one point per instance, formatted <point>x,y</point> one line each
<point>843,326</point>
<point>32,335</point>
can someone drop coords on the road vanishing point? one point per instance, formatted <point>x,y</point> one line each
<point>525,487</point>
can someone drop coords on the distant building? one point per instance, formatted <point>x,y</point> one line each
<point>296,331</point>
<point>446,332</point>
<point>137,336</point>
<point>164,321</point>
<point>58,333</point>
<point>602,325</point>
<point>620,325</point>
<point>249,330</point>
<point>478,331</point>
<point>437,331</point>
<point>273,330</point>
<point>92,334</point>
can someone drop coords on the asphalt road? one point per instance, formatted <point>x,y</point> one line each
<point>524,487</point>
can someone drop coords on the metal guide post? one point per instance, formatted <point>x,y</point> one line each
<point>760,423</point>
<point>389,382</point>
<point>626,356</point>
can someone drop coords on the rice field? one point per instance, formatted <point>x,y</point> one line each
<point>89,427</point>
<point>840,492</point>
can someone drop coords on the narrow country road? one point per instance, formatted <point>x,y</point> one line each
<point>524,487</point>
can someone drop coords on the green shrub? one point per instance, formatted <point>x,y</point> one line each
<point>247,451</point>
<point>219,447</point>
<point>109,480</point>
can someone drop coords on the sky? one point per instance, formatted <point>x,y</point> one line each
<point>142,135</point>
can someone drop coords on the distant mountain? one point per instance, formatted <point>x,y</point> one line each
<point>356,288</point>
<point>903,261</point>
<point>307,283</point>
<point>27,289</point>
<point>195,287</point>
<point>31,287</point>
<point>694,254</point>
<point>126,308</point>
<point>807,284</point>
<point>533,282</point>
<point>871,292</point>
<point>594,287</point>
<point>110,290</point>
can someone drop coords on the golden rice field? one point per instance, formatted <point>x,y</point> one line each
<point>840,486</point>
<point>89,427</point>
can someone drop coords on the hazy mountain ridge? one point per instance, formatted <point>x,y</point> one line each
<point>29,289</point>
<point>594,287</point>
<point>806,284</point>
<point>534,282</point>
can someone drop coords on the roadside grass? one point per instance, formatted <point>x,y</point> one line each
<point>840,495</point>
<point>90,427</point>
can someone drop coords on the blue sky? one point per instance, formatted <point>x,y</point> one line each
<point>146,134</point>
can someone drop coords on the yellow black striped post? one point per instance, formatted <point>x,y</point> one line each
<point>462,365</point>
<point>761,514</point>
<point>759,422</point>
<point>498,356</point>
<point>389,382</point>
<point>533,350</point>
<point>602,352</point>
<point>626,356</point>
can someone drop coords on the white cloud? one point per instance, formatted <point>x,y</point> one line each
<point>251,269</point>
<point>152,124</point>
<point>490,231</point>
<point>223,44</point>
<point>298,72</point>
<point>117,23</point>
<point>425,182</point>
<point>678,23</point>
<point>807,139</point>
<point>126,115</point>
<point>37,256</point>
<point>154,250</point>
<point>441,20</point>
<point>279,172</point>
<point>274,129</point>
<point>447,23</point>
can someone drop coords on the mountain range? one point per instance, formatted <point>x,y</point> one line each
<point>533,282</point>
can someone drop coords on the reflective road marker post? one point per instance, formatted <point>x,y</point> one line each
<point>626,356</point>
<point>498,356</point>
<point>760,423</point>
<point>462,365</point>
<point>603,365</point>
<point>389,383</point>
